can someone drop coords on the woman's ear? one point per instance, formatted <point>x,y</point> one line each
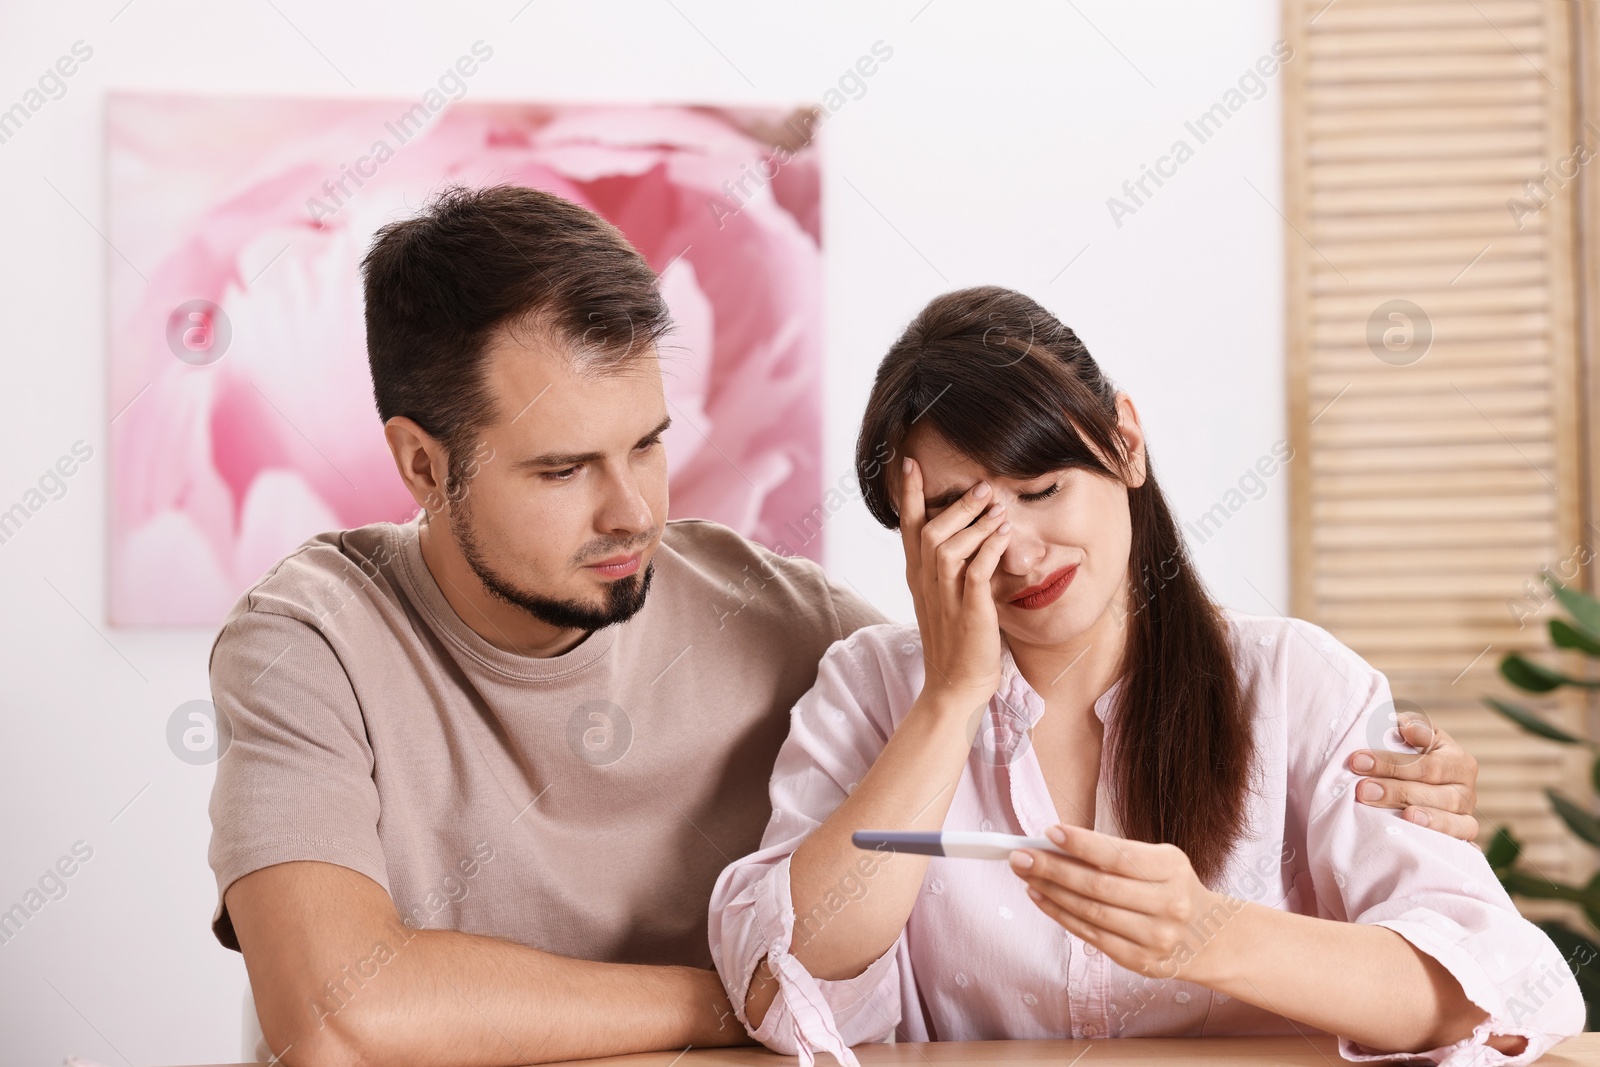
<point>1132,435</point>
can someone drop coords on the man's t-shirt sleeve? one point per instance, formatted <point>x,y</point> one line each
<point>852,609</point>
<point>295,782</point>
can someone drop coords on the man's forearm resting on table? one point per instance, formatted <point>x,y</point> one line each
<point>1368,983</point>
<point>359,987</point>
<point>462,999</point>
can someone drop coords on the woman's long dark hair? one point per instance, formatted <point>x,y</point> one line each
<point>1010,387</point>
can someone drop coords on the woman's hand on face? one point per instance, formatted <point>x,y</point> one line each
<point>1139,903</point>
<point>949,561</point>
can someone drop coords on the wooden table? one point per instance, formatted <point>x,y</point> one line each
<point>1321,1051</point>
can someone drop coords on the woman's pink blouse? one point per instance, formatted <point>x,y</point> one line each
<point>978,961</point>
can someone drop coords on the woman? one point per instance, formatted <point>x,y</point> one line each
<point>1068,675</point>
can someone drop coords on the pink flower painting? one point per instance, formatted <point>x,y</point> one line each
<point>243,420</point>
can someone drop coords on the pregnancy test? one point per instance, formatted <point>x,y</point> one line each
<point>952,844</point>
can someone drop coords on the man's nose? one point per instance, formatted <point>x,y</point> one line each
<point>626,512</point>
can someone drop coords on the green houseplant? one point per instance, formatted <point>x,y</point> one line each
<point>1579,631</point>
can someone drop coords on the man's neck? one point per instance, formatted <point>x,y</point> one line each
<point>503,625</point>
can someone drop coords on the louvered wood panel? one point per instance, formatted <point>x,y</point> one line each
<point>1427,493</point>
<point>1588,286</point>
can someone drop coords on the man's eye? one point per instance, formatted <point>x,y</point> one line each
<point>561,475</point>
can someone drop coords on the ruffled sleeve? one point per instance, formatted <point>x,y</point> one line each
<point>1368,865</point>
<point>836,732</point>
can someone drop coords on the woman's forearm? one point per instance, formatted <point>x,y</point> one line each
<point>847,913</point>
<point>844,917</point>
<point>1361,981</point>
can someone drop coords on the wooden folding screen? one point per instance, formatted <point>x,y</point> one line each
<point>1435,390</point>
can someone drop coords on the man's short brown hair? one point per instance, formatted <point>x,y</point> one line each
<point>439,286</point>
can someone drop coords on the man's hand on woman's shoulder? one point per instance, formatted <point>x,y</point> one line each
<point>1436,787</point>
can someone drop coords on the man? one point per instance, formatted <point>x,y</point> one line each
<point>486,765</point>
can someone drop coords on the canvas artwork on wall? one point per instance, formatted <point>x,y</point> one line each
<point>243,420</point>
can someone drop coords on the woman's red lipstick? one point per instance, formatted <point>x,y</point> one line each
<point>1046,592</point>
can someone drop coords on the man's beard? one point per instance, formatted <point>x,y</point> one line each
<point>623,599</point>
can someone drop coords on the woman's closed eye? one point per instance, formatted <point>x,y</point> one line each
<point>1029,498</point>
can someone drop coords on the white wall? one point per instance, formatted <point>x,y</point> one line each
<point>982,152</point>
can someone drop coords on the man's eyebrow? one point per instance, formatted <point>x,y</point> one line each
<point>572,459</point>
<point>660,429</point>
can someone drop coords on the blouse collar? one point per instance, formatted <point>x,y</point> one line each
<point>1020,697</point>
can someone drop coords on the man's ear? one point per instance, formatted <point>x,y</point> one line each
<point>422,462</point>
<point>1132,435</point>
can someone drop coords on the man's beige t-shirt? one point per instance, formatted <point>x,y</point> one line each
<point>582,804</point>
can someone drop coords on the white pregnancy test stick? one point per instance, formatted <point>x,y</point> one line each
<point>953,844</point>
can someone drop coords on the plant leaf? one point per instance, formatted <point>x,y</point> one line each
<point>1535,887</point>
<point>1577,819</point>
<point>1584,609</point>
<point>1579,949</point>
<point>1582,956</point>
<point>1503,850</point>
<point>1531,722</point>
<point>1564,635</point>
<point>1529,676</point>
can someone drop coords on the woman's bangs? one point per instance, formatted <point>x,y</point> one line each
<point>1015,422</point>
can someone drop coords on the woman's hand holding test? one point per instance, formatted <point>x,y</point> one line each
<point>1144,907</point>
